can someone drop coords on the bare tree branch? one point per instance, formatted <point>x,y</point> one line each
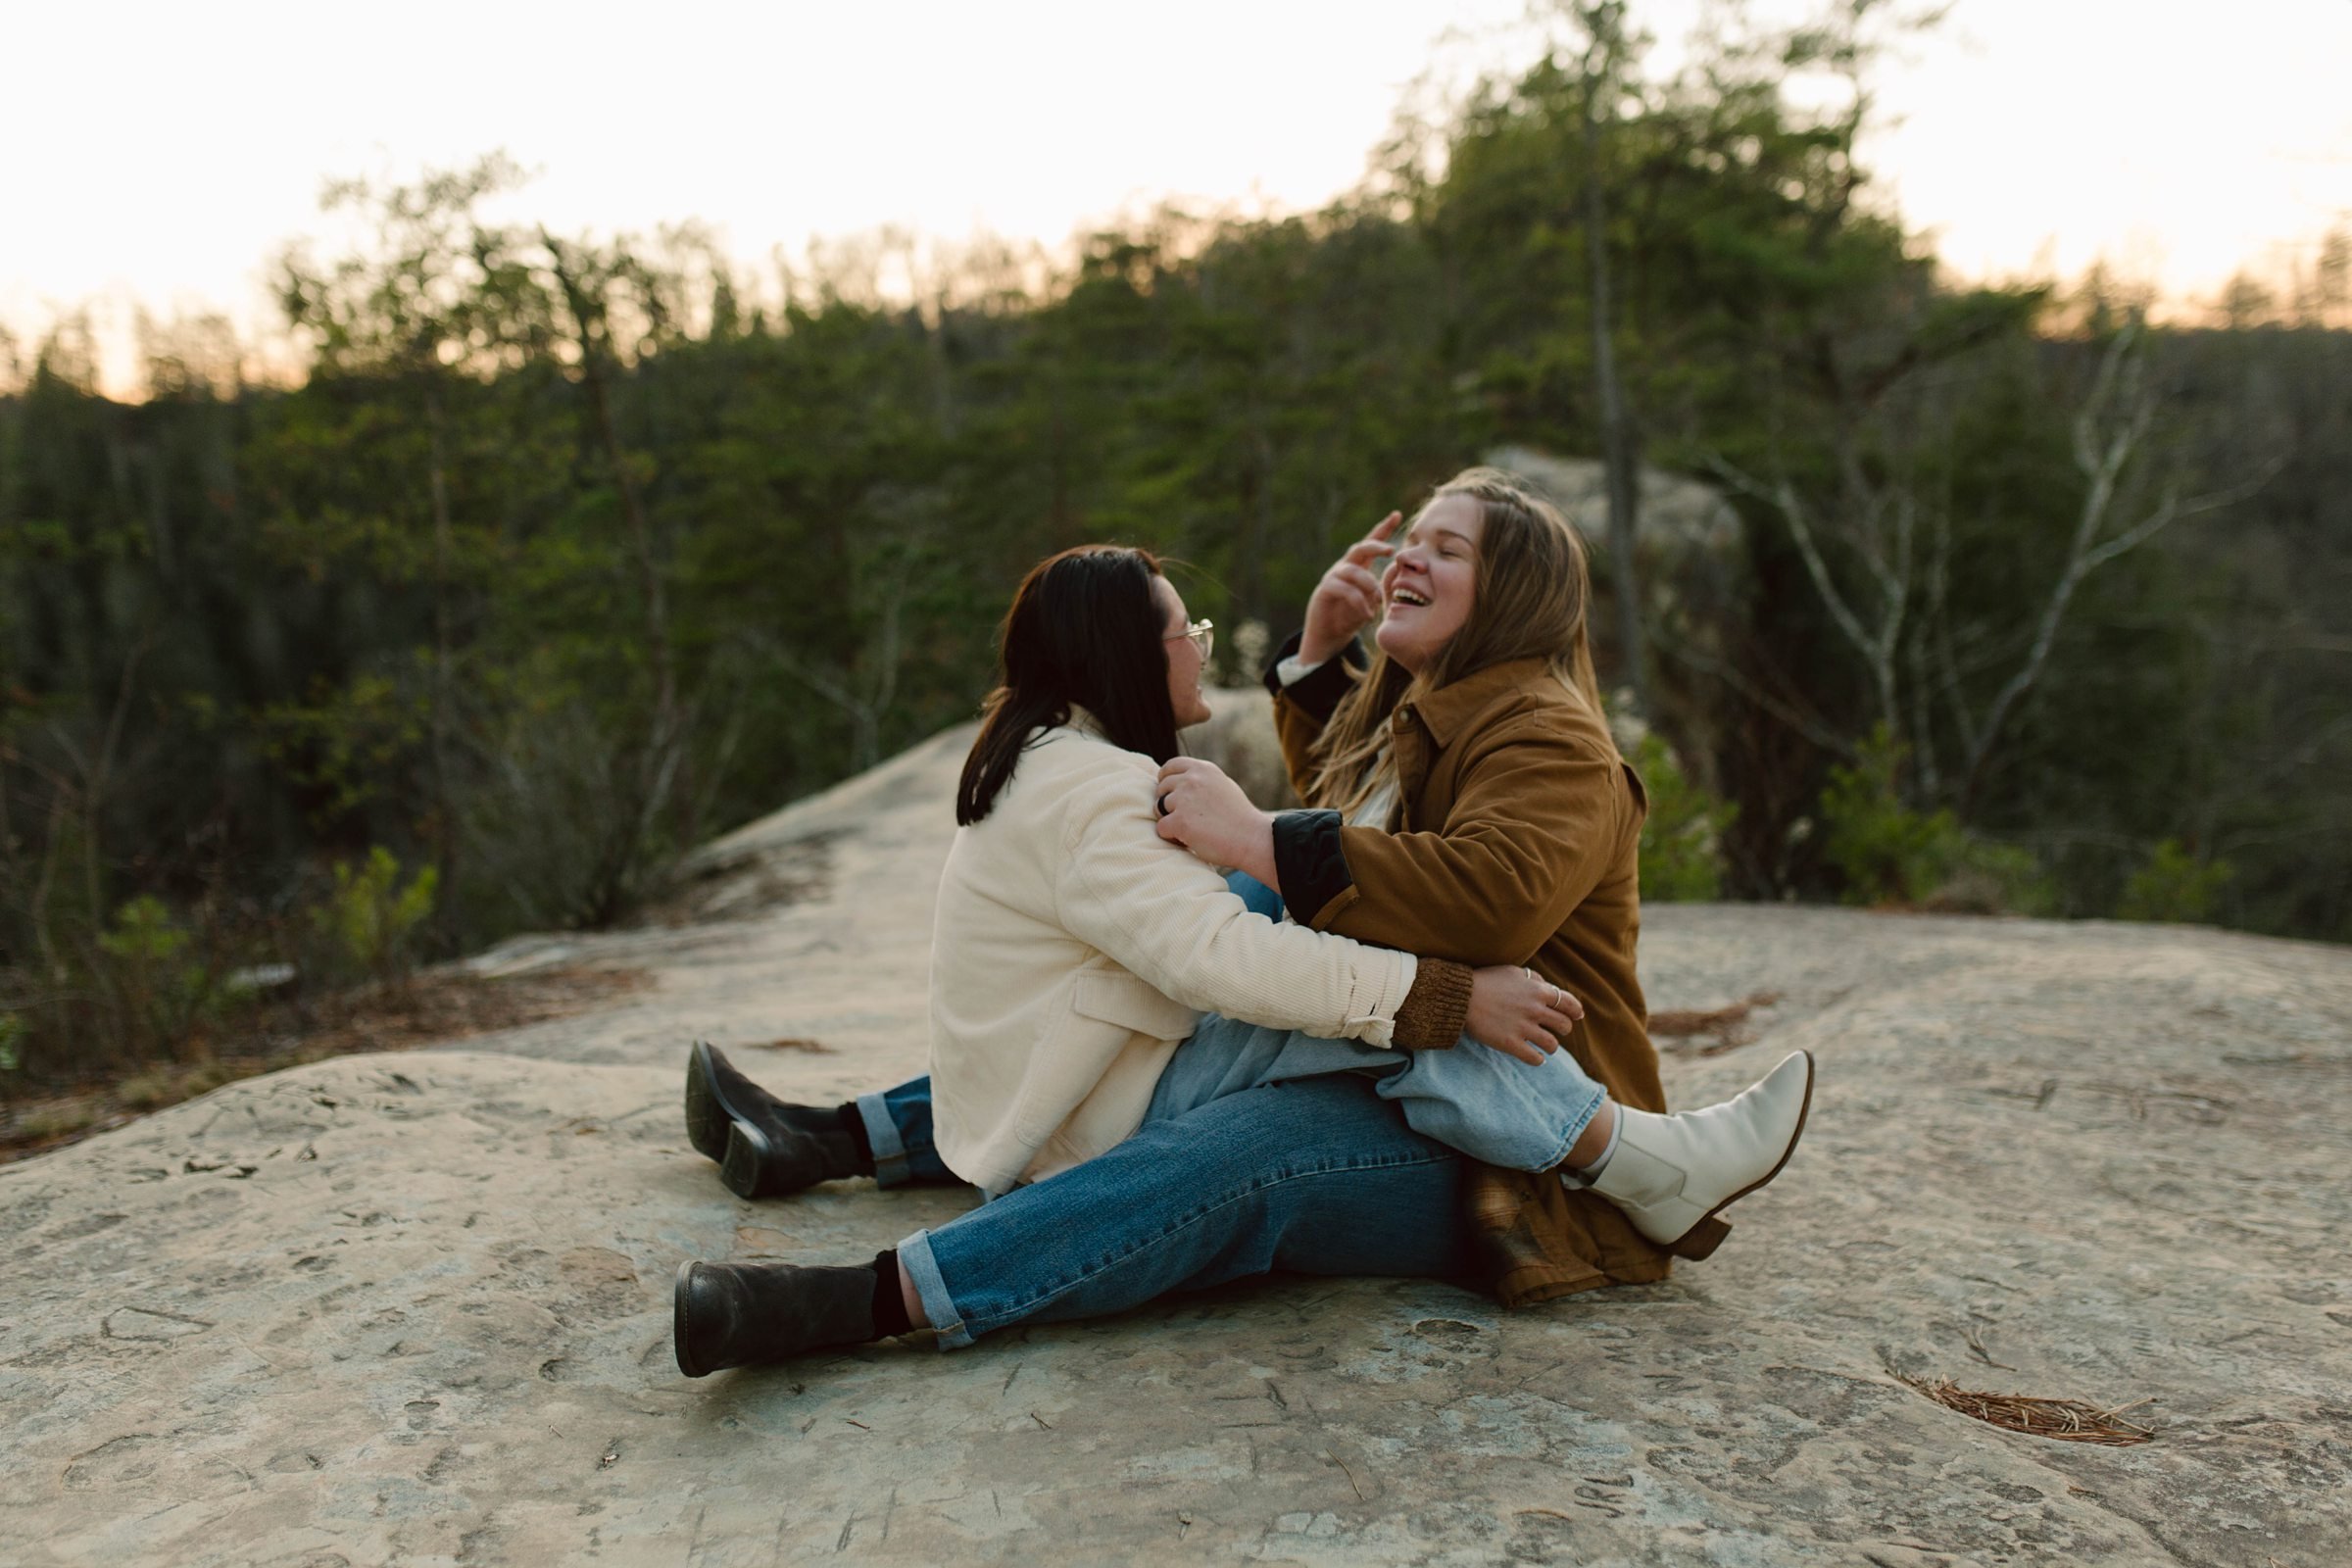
<point>2102,454</point>
<point>1877,647</point>
<point>1810,726</point>
<point>1939,630</point>
<point>1781,498</point>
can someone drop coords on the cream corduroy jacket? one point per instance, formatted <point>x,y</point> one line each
<point>1072,950</point>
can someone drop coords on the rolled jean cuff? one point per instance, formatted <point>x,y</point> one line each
<point>914,1257</point>
<point>890,1150</point>
<point>1576,1129</point>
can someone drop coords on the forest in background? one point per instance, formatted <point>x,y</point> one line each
<point>565,553</point>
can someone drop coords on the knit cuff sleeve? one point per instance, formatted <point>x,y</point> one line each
<point>1436,1010</point>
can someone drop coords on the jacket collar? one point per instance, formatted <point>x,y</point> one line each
<point>1444,712</point>
<point>1086,723</point>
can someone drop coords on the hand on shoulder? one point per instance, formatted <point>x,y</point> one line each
<point>1203,810</point>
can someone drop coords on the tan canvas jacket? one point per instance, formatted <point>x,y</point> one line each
<point>1519,845</point>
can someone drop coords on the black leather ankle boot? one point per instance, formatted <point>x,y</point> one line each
<point>765,1147</point>
<point>749,1315</point>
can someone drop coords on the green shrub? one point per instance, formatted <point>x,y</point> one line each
<point>144,932</point>
<point>158,1087</point>
<point>13,1031</point>
<point>159,991</point>
<point>57,1119</point>
<point>1889,853</point>
<point>2173,885</point>
<point>150,1089</point>
<point>1682,837</point>
<point>373,920</point>
<point>1993,879</point>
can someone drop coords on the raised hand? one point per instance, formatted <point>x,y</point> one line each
<point>1514,1012</point>
<point>1348,599</point>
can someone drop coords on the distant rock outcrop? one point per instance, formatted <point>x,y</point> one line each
<point>1690,549</point>
<point>416,1308</point>
<point>1682,520</point>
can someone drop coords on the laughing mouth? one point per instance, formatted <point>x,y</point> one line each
<point>1407,596</point>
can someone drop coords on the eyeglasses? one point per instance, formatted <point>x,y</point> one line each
<point>1202,632</point>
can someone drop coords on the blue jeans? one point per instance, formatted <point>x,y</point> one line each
<point>898,1124</point>
<point>1262,1148</point>
<point>1471,1099</point>
<point>1490,1107</point>
<point>1315,1176</point>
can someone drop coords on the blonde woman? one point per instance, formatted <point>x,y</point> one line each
<point>1468,803</point>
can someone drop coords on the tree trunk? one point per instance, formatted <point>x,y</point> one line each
<point>444,826</point>
<point>641,538</point>
<point>661,760</point>
<point>1620,455</point>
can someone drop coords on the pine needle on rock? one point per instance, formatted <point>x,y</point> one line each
<point>2061,1420</point>
<point>1727,1026</point>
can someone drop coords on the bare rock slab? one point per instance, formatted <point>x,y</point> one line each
<point>415,1308</point>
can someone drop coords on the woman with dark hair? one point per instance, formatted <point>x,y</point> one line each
<point>1072,947</point>
<point>1068,959</point>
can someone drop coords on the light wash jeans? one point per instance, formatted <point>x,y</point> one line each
<point>1236,1171</point>
<point>1489,1105</point>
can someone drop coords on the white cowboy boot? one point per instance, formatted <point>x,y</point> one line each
<point>1670,1174</point>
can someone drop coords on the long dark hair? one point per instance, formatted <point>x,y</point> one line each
<point>1083,630</point>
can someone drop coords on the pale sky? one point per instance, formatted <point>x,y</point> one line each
<point>158,155</point>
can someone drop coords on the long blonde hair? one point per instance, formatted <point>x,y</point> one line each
<point>1533,589</point>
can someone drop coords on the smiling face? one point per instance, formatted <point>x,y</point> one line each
<point>1432,582</point>
<point>1185,661</point>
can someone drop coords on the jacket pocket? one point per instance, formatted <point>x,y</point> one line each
<point>1132,1004</point>
<point>1105,1014</point>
